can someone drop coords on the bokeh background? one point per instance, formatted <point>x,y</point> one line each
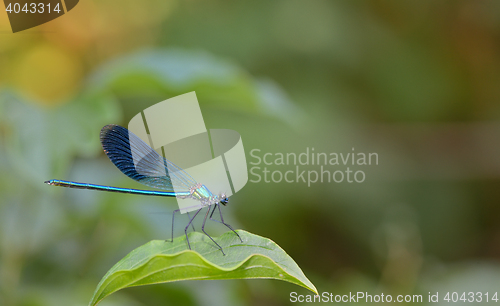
<point>414,81</point>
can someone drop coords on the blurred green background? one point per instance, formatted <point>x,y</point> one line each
<point>414,81</point>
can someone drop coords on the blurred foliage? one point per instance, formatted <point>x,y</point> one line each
<point>416,82</point>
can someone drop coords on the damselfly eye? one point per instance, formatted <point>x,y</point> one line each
<point>224,201</point>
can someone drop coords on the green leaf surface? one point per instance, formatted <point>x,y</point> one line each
<point>160,261</point>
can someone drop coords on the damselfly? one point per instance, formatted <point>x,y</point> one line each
<point>143,164</point>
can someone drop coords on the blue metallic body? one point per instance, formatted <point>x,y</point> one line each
<point>114,189</point>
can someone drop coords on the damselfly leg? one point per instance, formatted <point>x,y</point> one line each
<point>222,220</point>
<point>192,224</point>
<point>216,206</point>
<point>173,216</point>
<point>187,226</point>
<point>203,230</point>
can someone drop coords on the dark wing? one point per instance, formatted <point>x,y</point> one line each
<point>140,162</point>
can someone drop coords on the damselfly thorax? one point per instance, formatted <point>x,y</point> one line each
<point>201,193</point>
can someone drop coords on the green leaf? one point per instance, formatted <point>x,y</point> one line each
<point>155,75</point>
<point>160,261</point>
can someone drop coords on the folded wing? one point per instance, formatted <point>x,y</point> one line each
<point>140,162</point>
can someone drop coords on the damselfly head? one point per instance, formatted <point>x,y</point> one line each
<point>223,199</point>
